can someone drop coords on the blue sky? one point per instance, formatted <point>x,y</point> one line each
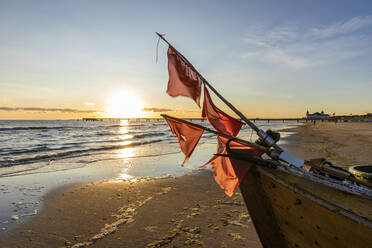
<point>269,58</point>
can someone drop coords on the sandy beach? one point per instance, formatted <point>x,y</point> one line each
<point>343,143</point>
<point>187,211</point>
<point>190,210</point>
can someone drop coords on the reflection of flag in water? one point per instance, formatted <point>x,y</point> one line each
<point>188,136</point>
<point>221,121</point>
<point>183,80</point>
<point>229,172</point>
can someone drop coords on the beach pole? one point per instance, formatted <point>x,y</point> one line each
<point>280,153</point>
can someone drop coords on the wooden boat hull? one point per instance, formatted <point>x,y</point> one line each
<point>293,208</point>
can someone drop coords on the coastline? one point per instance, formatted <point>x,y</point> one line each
<point>188,210</point>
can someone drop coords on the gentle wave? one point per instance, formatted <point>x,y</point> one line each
<point>121,125</point>
<point>52,156</point>
<point>7,129</point>
<point>135,134</point>
<point>33,170</point>
<point>68,127</point>
<point>33,150</point>
<point>22,128</point>
<point>71,145</point>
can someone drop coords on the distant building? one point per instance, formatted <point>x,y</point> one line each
<point>317,116</point>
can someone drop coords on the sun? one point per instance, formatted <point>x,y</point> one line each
<point>124,104</point>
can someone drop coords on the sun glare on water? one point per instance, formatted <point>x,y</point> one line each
<point>124,104</point>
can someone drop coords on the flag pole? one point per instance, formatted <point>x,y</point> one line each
<point>281,154</point>
<point>253,126</point>
<point>215,132</point>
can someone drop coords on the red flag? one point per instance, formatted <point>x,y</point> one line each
<point>229,172</point>
<point>187,135</point>
<point>221,121</point>
<point>183,80</point>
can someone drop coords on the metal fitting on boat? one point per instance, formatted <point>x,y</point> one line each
<point>291,159</point>
<point>265,138</point>
<point>274,154</point>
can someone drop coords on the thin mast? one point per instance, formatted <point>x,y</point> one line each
<point>245,119</point>
<point>280,153</point>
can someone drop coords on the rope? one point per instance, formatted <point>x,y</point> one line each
<point>157,48</point>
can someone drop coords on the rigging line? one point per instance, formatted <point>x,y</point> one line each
<point>157,50</point>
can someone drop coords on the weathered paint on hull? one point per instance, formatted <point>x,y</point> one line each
<point>296,209</point>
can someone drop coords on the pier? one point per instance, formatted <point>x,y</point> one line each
<point>193,119</point>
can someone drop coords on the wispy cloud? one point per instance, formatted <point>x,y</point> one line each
<point>89,103</point>
<point>157,110</point>
<point>281,56</point>
<point>76,111</point>
<point>37,109</point>
<point>267,38</point>
<point>341,28</point>
<point>296,48</point>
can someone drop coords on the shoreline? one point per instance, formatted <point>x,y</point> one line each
<point>25,186</point>
<point>188,210</point>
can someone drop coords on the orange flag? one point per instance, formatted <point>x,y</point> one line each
<point>221,121</point>
<point>183,80</point>
<point>229,172</point>
<point>187,135</point>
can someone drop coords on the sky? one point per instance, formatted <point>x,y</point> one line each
<point>74,59</point>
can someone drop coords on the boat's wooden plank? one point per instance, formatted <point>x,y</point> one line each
<point>260,210</point>
<point>355,203</point>
<point>297,228</point>
<point>305,223</point>
<point>295,238</point>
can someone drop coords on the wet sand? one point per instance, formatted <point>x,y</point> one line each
<point>191,210</point>
<point>188,211</point>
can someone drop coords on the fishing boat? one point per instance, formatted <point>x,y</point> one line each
<point>293,202</point>
<point>291,207</point>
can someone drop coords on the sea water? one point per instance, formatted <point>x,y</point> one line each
<point>37,156</point>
